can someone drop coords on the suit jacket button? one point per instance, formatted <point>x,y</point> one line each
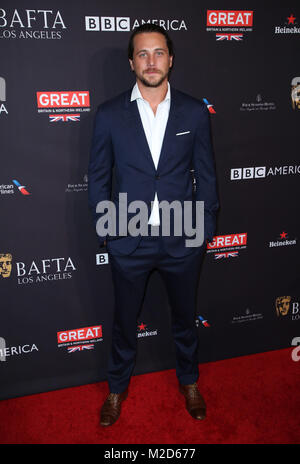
<point>157,177</point>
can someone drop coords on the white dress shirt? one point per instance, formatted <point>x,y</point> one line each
<point>154,128</point>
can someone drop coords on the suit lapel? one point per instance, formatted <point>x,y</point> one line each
<point>136,127</point>
<point>138,133</point>
<point>174,119</point>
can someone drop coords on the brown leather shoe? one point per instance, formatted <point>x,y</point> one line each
<point>111,408</point>
<point>194,402</point>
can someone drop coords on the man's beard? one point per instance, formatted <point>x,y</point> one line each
<point>152,84</point>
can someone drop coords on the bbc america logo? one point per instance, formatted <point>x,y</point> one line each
<point>107,23</point>
<point>259,172</point>
<point>123,23</point>
<point>248,173</point>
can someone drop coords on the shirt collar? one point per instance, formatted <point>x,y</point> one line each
<point>136,94</point>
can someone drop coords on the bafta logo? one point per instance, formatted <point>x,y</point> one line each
<point>295,93</point>
<point>282,305</point>
<point>5,264</point>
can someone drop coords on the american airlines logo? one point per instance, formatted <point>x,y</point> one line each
<point>201,321</point>
<point>22,188</point>
<point>209,106</point>
<point>8,189</point>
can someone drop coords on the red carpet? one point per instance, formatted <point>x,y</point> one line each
<point>250,399</point>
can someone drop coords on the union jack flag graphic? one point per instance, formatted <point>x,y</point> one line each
<point>72,349</point>
<point>64,117</point>
<point>227,254</point>
<point>229,37</point>
<point>21,188</point>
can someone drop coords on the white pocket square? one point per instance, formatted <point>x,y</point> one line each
<point>183,133</point>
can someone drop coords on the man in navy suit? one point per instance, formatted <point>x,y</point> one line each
<point>152,137</point>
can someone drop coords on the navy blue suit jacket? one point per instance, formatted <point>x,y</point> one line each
<point>119,144</point>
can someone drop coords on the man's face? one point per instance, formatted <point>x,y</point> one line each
<point>151,60</point>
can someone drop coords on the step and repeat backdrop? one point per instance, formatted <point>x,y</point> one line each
<point>59,61</point>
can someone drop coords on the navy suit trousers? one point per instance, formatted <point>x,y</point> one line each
<point>130,274</point>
